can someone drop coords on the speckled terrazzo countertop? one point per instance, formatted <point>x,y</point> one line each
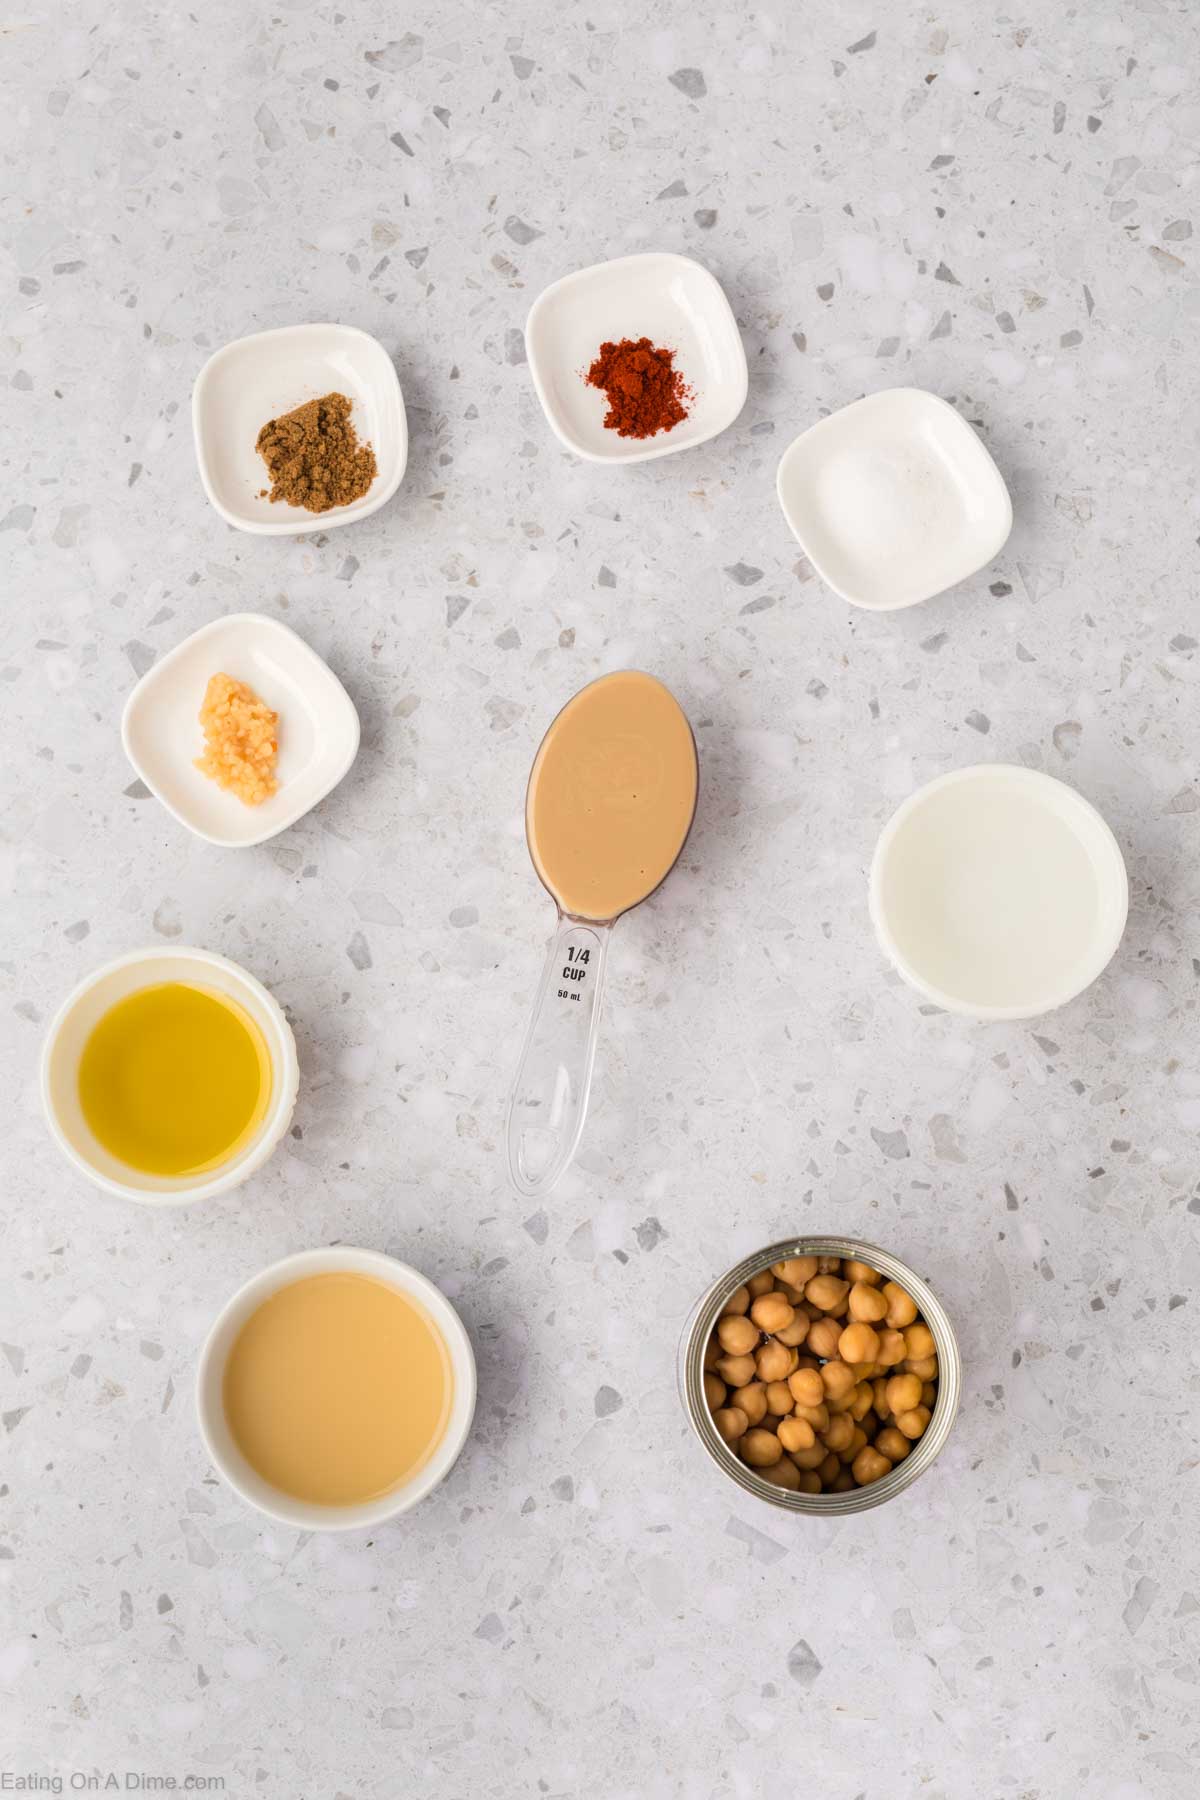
<point>997,206</point>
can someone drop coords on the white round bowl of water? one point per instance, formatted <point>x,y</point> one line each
<point>998,892</point>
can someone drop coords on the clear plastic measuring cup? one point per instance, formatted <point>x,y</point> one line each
<point>611,799</point>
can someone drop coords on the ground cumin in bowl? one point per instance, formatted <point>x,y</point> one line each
<point>300,429</point>
<point>313,456</point>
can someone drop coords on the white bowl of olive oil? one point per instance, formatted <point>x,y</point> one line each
<point>169,1076</point>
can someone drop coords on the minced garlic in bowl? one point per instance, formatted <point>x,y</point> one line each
<point>240,740</point>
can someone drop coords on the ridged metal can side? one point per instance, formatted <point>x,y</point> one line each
<point>704,1316</point>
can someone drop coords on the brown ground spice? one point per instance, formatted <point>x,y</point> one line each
<point>646,393</point>
<point>314,457</point>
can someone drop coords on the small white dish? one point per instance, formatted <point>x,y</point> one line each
<point>671,300</point>
<point>318,727</point>
<point>82,1011</point>
<point>998,892</point>
<point>228,1460</point>
<point>893,499</point>
<point>257,378</point>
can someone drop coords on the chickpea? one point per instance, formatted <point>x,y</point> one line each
<point>793,1335</point>
<point>771,1312</point>
<point>831,1468</point>
<point>736,1370</point>
<point>858,1344</point>
<point>714,1390</point>
<point>753,1401</point>
<point>902,1308</point>
<point>841,1430</point>
<point>812,1458</point>
<point>869,1465</point>
<point>867,1304</point>
<point>775,1362</point>
<point>837,1381</point>
<point>860,1403</point>
<point>761,1448</point>
<point>826,1291</point>
<point>731,1422</point>
<point>738,1334</point>
<point>817,1416</point>
<point>903,1393</point>
<point>913,1422</point>
<point>821,1374</point>
<point>823,1337</point>
<point>795,1270</point>
<point>808,1387</point>
<point>796,1434</point>
<point>779,1398</point>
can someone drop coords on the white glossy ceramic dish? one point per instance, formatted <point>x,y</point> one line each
<point>74,1022</point>
<point>257,378</point>
<point>893,499</point>
<point>998,892</point>
<point>670,299</point>
<point>214,1428</point>
<point>318,727</point>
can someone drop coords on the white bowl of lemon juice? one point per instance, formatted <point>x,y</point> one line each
<point>169,1076</point>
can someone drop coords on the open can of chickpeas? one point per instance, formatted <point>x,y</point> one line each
<point>821,1374</point>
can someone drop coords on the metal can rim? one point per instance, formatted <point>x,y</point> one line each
<point>703,1317</point>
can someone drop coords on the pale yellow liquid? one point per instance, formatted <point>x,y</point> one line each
<point>174,1079</point>
<point>338,1388</point>
<point>611,795</point>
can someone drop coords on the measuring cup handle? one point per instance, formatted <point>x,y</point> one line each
<point>549,1098</point>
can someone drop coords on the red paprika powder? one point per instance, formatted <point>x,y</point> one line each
<point>646,393</point>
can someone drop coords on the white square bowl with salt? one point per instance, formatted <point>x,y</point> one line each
<point>894,499</point>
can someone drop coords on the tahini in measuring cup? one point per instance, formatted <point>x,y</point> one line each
<point>611,799</point>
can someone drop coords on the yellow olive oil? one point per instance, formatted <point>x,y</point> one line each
<point>174,1079</point>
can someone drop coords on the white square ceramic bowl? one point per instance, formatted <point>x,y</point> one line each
<point>670,299</point>
<point>257,378</point>
<point>318,727</point>
<point>894,499</point>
